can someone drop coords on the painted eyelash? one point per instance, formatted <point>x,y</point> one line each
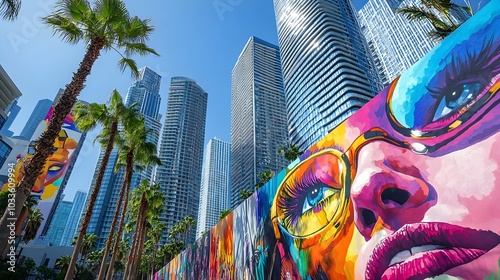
<point>458,71</point>
<point>291,199</point>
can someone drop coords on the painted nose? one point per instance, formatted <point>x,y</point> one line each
<point>390,192</point>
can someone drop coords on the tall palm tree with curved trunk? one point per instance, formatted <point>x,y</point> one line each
<point>105,26</point>
<point>109,116</point>
<point>135,153</point>
<point>88,117</point>
<point>438,13</point>
<point>9,9</point>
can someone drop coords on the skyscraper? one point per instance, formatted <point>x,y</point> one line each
<point>39,112</point>
<point>394,41</point>
<point>9,93</point>
<point>215,184</point>
<point>258,116</point>
<point>327,68</point>
<point>181,152</point>
<point>145,91</point>
<point>14,110</point>
<point>73,219</point>
<point>57,226</point>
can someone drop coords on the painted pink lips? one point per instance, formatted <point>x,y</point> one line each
<point>422,250</point>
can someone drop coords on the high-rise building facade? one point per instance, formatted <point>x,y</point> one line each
<point>215,184</point>
<point>328,70</point>
<point>258,116</point>
<point>73,219</point>
<point>13,111</point>
<point>145,92</point>
<point>181,152</point>
<point>41,109</point>
<point>59,220</point>
<point>394,41</point>
<point>9,93</point>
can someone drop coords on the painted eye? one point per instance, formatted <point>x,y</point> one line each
<point>464,95</point>
<point>317,194</point>
<point>55,168</point>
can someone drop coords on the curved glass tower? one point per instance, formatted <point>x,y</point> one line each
<point>327,68</point>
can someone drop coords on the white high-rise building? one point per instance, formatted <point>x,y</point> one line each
<point>215,184</point>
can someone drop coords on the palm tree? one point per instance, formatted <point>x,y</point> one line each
<point>154,233</point>
<point>187,223</point>
<point>223,214</point>
<point>63,263</point>
<point>105,26</point>
<point>290,153</point>
<point>109,116</point>
<point>10,9</point>
<point>147,201</point>
<point>264,177</point>
<point>244,194</point>
<point>135,151</point>
<point>34,222</point>
<point>438,13</point>
<point>88,245</point>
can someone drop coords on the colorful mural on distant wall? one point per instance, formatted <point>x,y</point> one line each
<point>406,188</point>
<point>47,185</point>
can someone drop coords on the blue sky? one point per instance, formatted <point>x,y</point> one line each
<point>198,39</point>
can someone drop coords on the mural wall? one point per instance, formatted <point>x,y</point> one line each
<point>407,188</point>
<point>47,186</point>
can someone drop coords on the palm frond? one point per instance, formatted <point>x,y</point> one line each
<point>64,27</point>
<point>76,10</point>
<point>138,48</point>
<point>129,63</point>
<point>10,9</point>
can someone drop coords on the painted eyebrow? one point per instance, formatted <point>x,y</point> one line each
<point>467,62</point>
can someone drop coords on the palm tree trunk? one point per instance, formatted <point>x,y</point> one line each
<point>157,239</point>
<point>133,249</point>
<point>140,245</point>
<point>33,166</point>
<point>127,181</point>
<point>102,269</point>
<point>95,191</point>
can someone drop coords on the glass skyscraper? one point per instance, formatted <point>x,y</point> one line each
<point>57,226</point>
<point>258,116</point>
<point>215,184</point>
<point>9,93</point>
<point>181,152</point>
<point>39,112</point>
<point>145,92</point>
<point>394,41</point>
<point>327,68</point>
<point>73,219</point>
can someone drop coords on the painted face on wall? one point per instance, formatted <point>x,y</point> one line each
<point>425,202</point>
<point>51,177</point>
<point>416,172</point>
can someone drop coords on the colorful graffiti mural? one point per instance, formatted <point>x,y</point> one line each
<point>406,188</point>
<point>47,186</point>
